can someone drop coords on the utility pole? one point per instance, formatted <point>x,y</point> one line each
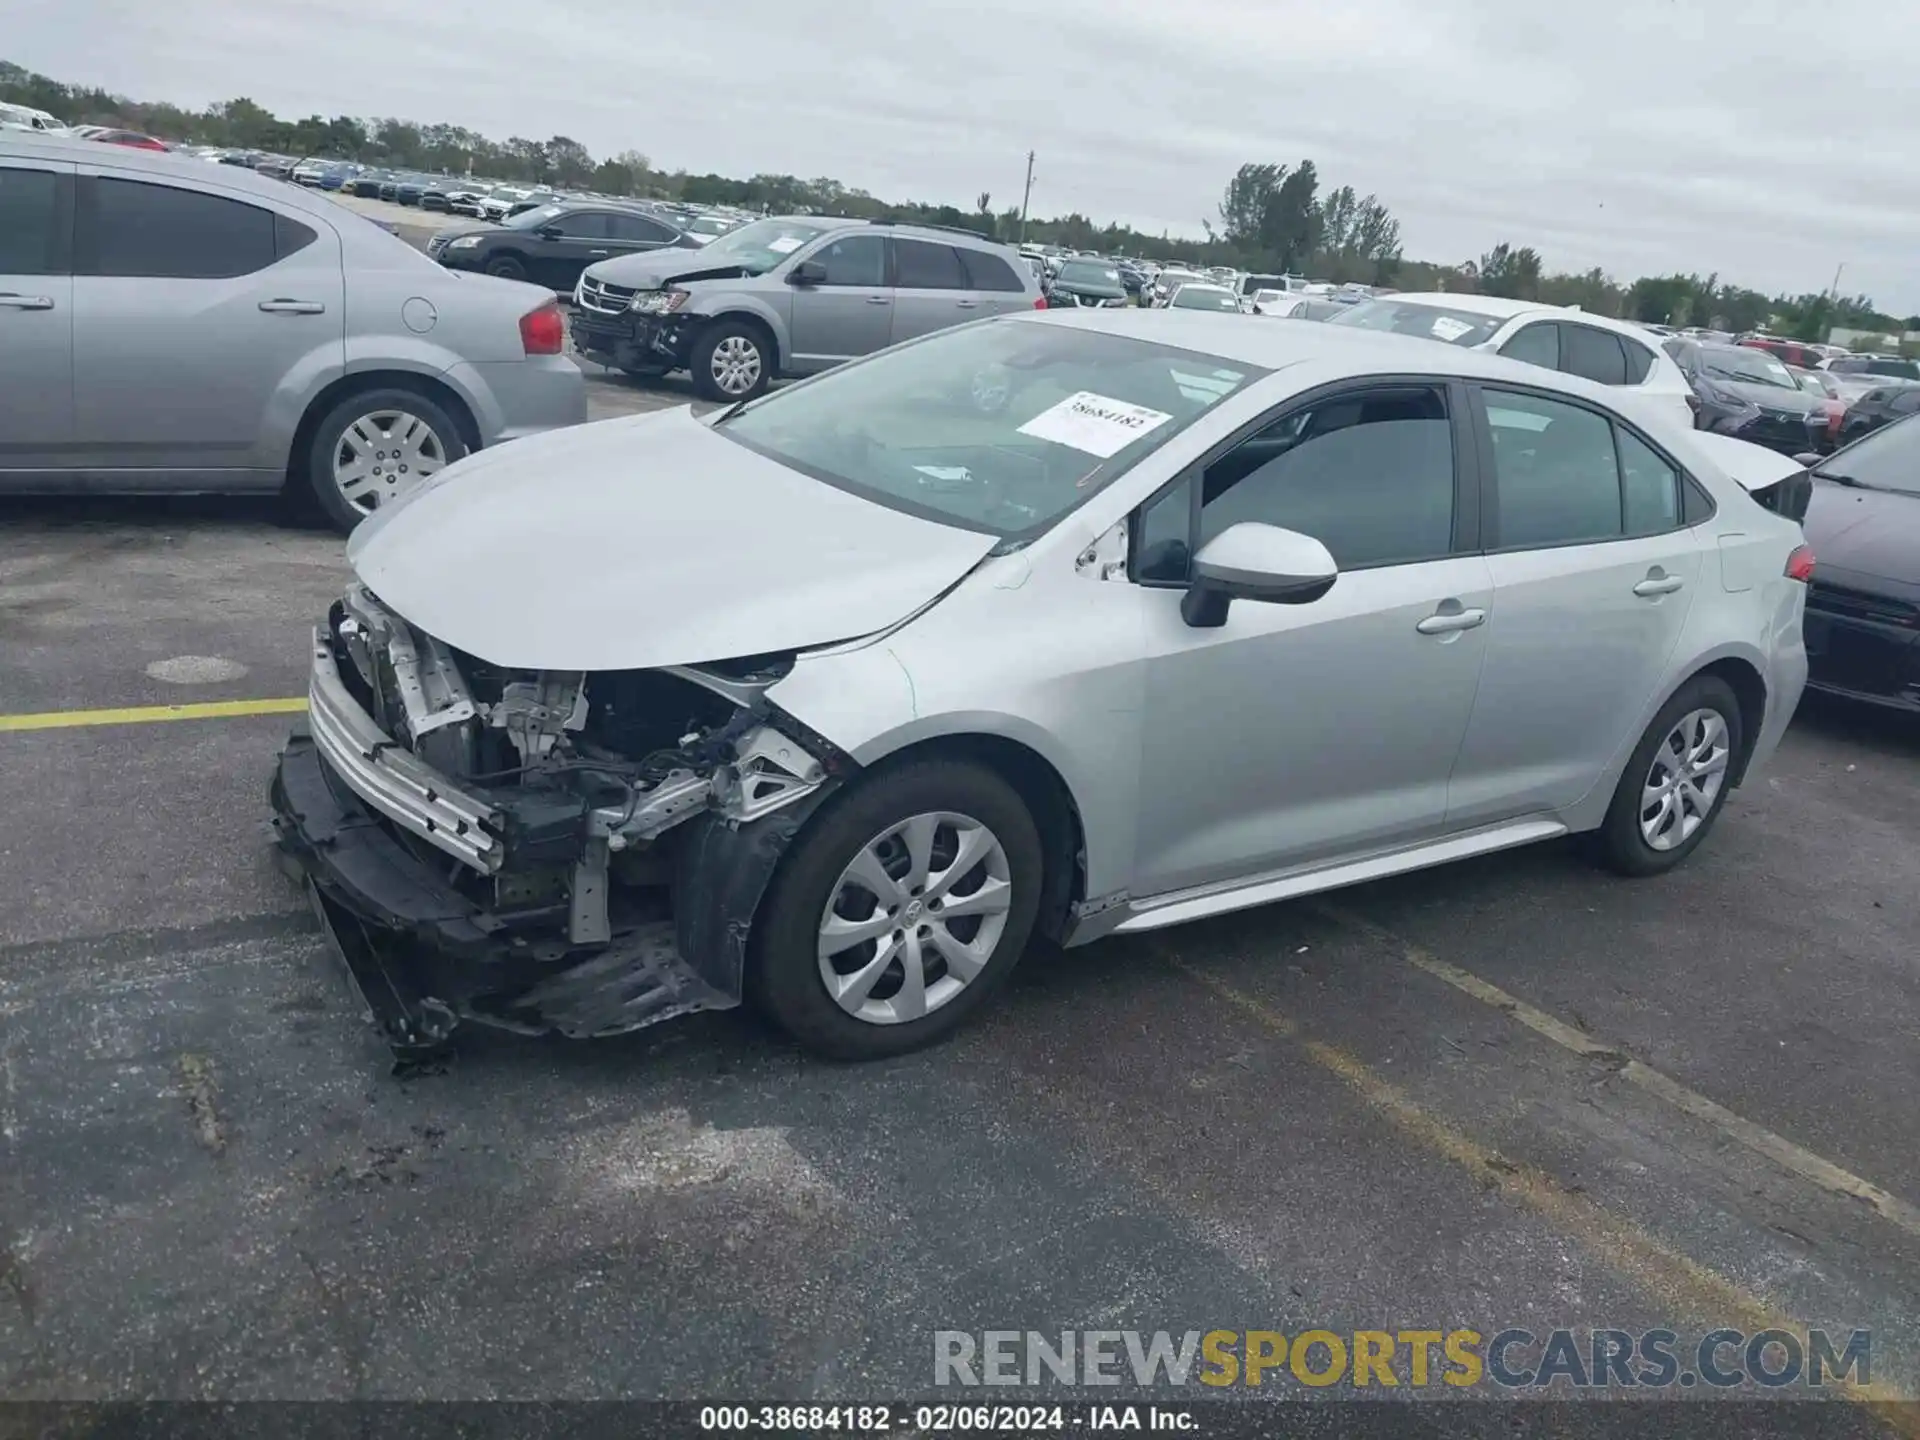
<point>1833,293</point>
<point>1025,196</point>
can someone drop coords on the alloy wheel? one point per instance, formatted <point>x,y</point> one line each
<point>736,365</point>
<point>914,917</point>
<point>1684,782</point>
<point>384,454</point>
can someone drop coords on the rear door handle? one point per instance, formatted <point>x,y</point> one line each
<point>293,307</point>
<point>1653,586</point>
<point>1446,622</point>
<point>966,304</point>
<point>879,299</point>
<point>599,252</point>
<point>11,301</point>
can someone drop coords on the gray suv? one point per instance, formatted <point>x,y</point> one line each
<point>166,324</point>
<point>790,295</point>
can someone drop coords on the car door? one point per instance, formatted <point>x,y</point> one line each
<point>630,234</point>
<point>36,318</point>
<point>203,323</point>
<point>1537,343</point>
<point>1294,734</point>
<point>1594,573</point>
<point>930,289</point>
<point>849,312</point>
<point>572,240</point>
<point>994,282</point>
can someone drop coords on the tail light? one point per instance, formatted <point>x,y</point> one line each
<point>1800,564</point>
<point>543,331</point>
<point>1039,302</point>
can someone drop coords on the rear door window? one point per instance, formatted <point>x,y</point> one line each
<point>1537,344</point>
<point>1556,474</point>
<point>132,228</point>
<point>988,272</point>
<point>922,265</point>
<point>1592,354</point>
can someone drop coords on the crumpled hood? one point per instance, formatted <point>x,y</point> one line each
<point>648,541</point>
<point>651,269</point>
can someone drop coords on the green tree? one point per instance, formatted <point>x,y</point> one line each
<point>1243,207</point>
<point>1513,274</point>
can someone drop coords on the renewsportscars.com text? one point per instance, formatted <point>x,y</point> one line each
<point>1510,1359</point>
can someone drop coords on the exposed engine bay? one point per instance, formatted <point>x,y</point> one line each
<point>549,810</point>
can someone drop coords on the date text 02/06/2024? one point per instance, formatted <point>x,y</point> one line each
<point>865,1420</point>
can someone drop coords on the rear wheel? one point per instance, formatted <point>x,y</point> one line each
<point>374,447</point>
<point>899,912</point>
<point>1675,785</point>
<point>731,360</point>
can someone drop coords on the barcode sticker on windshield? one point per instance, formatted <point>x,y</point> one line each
<point>1449,329</point>
<point>785,245</point>
<point>1096,424</point>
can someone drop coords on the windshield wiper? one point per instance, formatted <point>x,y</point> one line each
<point>1839,479</point>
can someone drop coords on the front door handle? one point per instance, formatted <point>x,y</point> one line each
<point>1654,586</point>
<point>293,307</point>
<point>1447,622</point>
<point>11,301</point>
<point>966,304</point>
<point>599,252</point>
<point>879,300</point>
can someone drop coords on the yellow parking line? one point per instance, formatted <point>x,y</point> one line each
<point>1757,1138</point>
<point>1673,1279</point>
<point>148,714</point>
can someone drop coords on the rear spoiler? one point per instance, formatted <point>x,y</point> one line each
<point>1778,482</point>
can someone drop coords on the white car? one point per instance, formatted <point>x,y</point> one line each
<point>1609,352</point>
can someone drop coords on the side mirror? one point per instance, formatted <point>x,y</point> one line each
<point>1255,562</point>
<point>548,232</point>
<point>1807,458</point>
<point>807,272</point>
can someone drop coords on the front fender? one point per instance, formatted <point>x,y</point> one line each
<point>758,307</point>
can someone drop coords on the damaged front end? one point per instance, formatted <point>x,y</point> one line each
<point>540,851</point>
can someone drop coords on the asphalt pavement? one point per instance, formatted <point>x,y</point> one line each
<point>1510,1093</point>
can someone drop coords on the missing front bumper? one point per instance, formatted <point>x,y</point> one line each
<point>423,956</point>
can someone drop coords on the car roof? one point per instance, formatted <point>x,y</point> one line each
<point>1274,347</point>
<point>161,164</point>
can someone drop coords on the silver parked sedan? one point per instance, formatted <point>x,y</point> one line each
<point>171,325</point>
<point>1073,623</point>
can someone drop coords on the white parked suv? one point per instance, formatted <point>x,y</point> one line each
<point>1609,352</point>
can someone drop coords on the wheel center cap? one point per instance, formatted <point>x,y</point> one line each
<point>913,911</point>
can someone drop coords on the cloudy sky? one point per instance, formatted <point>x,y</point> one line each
<point>1769,140</point>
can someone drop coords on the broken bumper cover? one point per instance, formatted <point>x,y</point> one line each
<point>631,339</point>
<point>423,956</point>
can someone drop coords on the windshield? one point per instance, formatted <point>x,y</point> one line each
<point>709,225</point>
<point>758,247</point>
<point>1001,427</point>
<point>1085,272</point>
<point>1888,459</point>
<point>1430,322</point>
<point>1195,297</point>
<point>531,219</point>
<point>1752,367</point>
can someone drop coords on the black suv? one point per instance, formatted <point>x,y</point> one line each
<point>551,244</point>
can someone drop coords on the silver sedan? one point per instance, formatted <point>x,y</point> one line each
<point>1070,624</point>
<point>171,325</point>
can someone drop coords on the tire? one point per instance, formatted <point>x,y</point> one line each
<point>646,372</point>
<point>506,267</point>
<point>731,352</point>
<point>423,436</point>
<point>940,800</point>
<point>1626,840</point>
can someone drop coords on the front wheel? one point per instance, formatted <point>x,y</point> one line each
<point>1676,782</point>
<point>506,268</point>
<point>899,912</point>
<point>731,360</point>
